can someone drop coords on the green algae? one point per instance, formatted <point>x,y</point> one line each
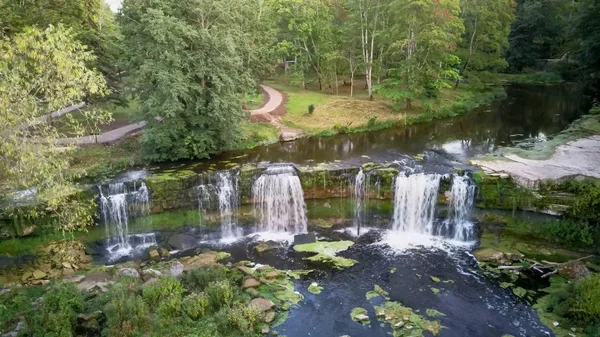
<point>434,290</point>
<point>404,321</point>
<point>434,313</point>
<point>326,253</point>
<point>298,274</point>
<point>371,294</point>
<point>357,312</point>
<point>315,288</point>
<point>381,292</point>
<point>435,279</point>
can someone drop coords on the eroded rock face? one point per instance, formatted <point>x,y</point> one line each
<point>574,270</point>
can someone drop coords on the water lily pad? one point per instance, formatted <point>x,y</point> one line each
<point>315,288</point>
<point>298,274</point>
<point>371,294</point>
<point>393,270</point>
<point>405,321</point>
<point>382,292</point>
<point>360,315</point>
<point>435,290</point>
<point>326,253</point>
<point>434,279</point>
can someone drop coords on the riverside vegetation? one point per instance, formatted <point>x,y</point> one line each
<point>189,67</point>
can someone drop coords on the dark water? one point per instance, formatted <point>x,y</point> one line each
<point>474,305</point>
<point>528,113</point>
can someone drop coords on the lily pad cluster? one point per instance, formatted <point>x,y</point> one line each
<point>404,321</point>
<point>326,252</point>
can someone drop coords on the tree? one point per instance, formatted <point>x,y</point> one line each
<point>190,62</point>
<point>487,26</point>
<point>426,34</point>
<point>42,71</point>
<point>586,33</point>
<point>540,31</point>
<point>91,23</point>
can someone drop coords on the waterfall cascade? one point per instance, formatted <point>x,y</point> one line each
<point>360,194</point>
<point>117,206</point>
<point>415,197</point>
<point>279,200</point>
<point>460,197</point>
<point>222,194</point>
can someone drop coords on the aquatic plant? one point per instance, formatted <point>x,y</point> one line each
<point>326,252</point>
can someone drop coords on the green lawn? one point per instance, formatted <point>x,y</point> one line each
<point>254,101</point>
<point>121,115</point>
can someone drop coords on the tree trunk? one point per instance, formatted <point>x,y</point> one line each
<point>351,83</point>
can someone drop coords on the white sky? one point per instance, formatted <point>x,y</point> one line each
<point>114,4</point>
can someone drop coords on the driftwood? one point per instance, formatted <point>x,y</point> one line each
<point>545,268</point>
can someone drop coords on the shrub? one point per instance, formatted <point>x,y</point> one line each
<point>58,313</point>
<point>219,294</point>
<point>198,279</point>
<point>169,309</point>
<point>570,232</point>
<point>14,304</point>
<point>311,109</point>
<point>586,306</point>
<point>244,317</point>
<point>194,305</point>
<point>126,313</point>
<point>165,288</point>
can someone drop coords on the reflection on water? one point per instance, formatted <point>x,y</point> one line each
<point>528,113</point>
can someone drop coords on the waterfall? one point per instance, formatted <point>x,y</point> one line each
<point>227,191</point>
<point>222,193</point>
<point>415,197</point>
<point>279,200</point>
<point>460,204</point>
<point>117,206</point>
<point>361,194</point>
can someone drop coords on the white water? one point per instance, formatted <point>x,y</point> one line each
<point>279,201</point>
<point>227,191</point>
<point>460,202</point>
<point>360,195</point>
<point>116,209</point>
<point>415,197</point>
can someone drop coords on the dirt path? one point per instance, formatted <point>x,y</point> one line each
<point>577,158</point>
<point>271,112</point>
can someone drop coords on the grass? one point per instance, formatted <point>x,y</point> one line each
<point>98,163</point>
<point>335,114</point>
<point>121,115</point>
<point>254,101</point>
<point>256,134</point>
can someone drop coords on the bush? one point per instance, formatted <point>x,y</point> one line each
<point>165,288</point>
<point>244,317</point>
<point>311,109</point>
<point>219,294</point>
<point>57,315</point>
<point>194,306</point>
<point>198,279</point>
<point>15,304</point>
<point>586,306</point>
<point>570,232</point>
<point>126,313</point>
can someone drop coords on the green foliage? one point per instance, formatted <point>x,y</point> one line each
<point>191,77</point>
<point>244,317</point>
<point>164,289</point>
<point>57,315</point>
<point>219,294</point>
<point>198,279</point>
<point>42,71</point>
<point>587,203</point>
<point>571,233</point>
<point>15,305</point>
<point>194,305</point>
<point>126,313</point>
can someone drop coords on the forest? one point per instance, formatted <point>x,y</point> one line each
<point>204,88</point>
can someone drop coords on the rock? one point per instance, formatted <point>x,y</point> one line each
<point>4,291</point>
<point>130,272</point>
<point>176,268</point>
<point>150,282</point>
<point>262,304</point>
<point>250,282</point>
<point>272,274</point>
<point>574,270</point>
<point>361,317</point>
<point>252,291</point>
<point>182,242</point>
<point>265,246</point>
<point>288,136</point>
<point>27,230</point>
<point>67,265</point>
<point>163,252</point>
<point>269,316</point>
<point>150,273</point>
<point>38,274</point>
<point>327,205</point>
<point>41,282</point>
<point>203,259</point>
<point>265,330</point>
<point>152,254</point>
<point>74,279</point>
<point>301,239</point>
<point>491,255</point>
<point>246,270</point>
<point>26,276</point>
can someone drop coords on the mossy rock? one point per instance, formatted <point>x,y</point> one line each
<point>404,321</point>
<point>360,315</point>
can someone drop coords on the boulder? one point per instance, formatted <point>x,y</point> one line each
<point>67,265</point>
<point>130,272</point>
<point>38,274</point>
<point>26,276</point>
<point>176,268</point>
<point>574,270</point>
<point>150,273</point>
<point>272,274</point>
<point>163,252</point>
<point>250,282</point>
<point>152,253</point>
<point>265,246</point>
<point>269,316</point>
<point>252,291</point>
<point>182,242</point>
<point>495,256</point>
<point>361,317</point>
<point>262,304</point>
<point>301,239</point>
<point>26,231</point>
